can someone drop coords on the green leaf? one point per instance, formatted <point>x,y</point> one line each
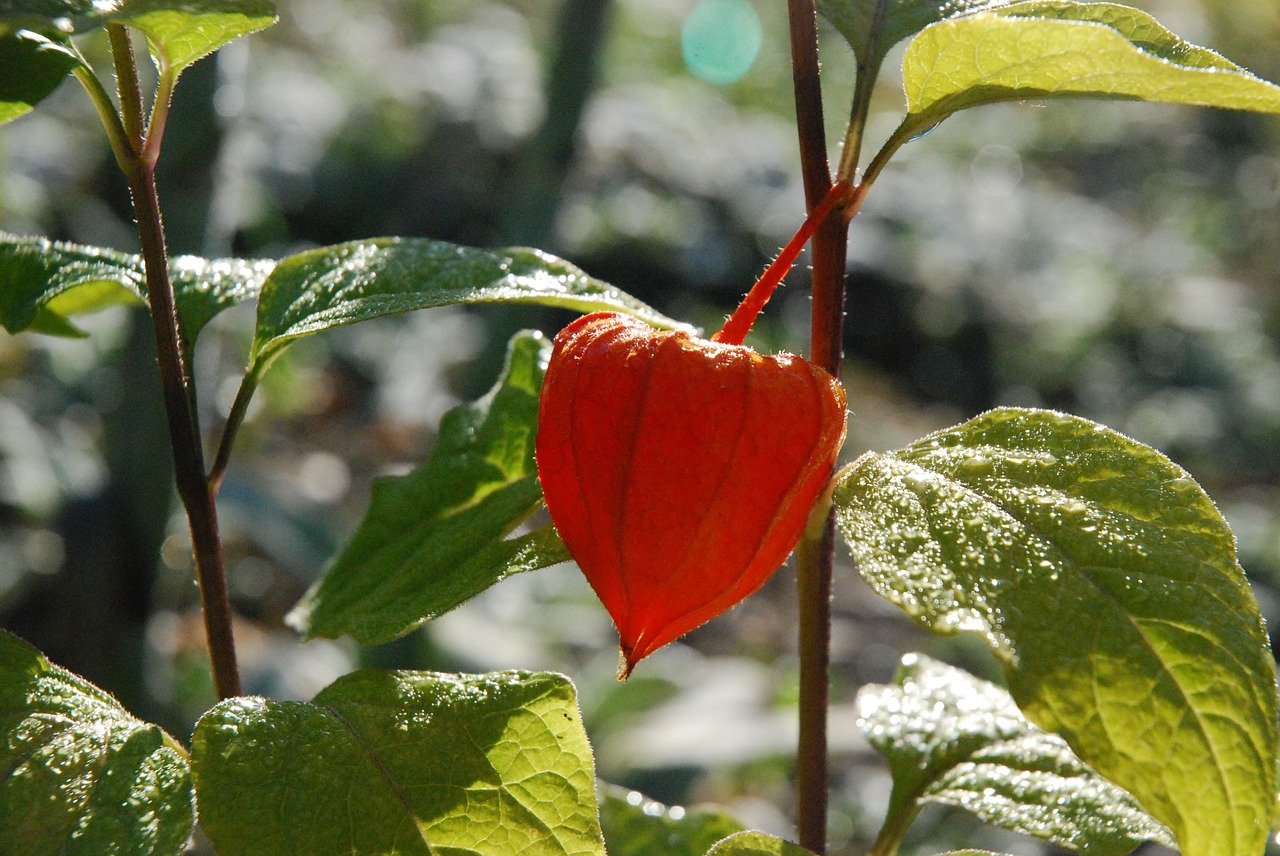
<point>360,280</point>
<point>183,31</point>
<point>179,31</point>
<point>205,287</point>
<point>31,67</point>
<point>757,844</point>
<point>35,272</point>
<point>53,17</point>
<point>82,776</point>
<point>952,738</point>
<point>1107,582</point>
<point>635,825</point>
<point>403,762</point>
<point>1054,48</point>
<point>872,37</point>
<point>43,283</point>
<point>437,537</point>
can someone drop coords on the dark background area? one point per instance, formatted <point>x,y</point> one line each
<point>1117,261</point>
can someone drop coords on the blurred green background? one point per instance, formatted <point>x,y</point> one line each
<point>1117,261</point>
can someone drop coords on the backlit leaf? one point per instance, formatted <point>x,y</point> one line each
<point>437,537</point>
<point>182,31</point>
<point>954,739</point>
<point>1107,582</point>
<point>1057,48</point>
<point>80,774</point>
<point>401,762</point>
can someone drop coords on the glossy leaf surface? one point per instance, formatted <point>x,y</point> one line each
<point>757,844</point>
<point>637,826</point>
<point>31,67</point>
<point>45,283</point>
<point>357,281</point>
<point>437,537</point>
<point>80,774</point>
<point>1107,581</point>
<point>403,762</point>
<point>1054,48</point>
<point>952,738</point>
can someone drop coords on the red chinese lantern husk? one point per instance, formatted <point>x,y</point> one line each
<point>680,472</point>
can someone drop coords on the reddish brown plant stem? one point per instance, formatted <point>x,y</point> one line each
<point>179,399</point>
<point>815,560</point>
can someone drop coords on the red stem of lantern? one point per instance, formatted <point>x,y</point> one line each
<point>735,329</point>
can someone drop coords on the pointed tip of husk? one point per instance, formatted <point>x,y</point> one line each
<point>625,663</point>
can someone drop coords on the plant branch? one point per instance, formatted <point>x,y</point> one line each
<point>864,85</point>
<point>121,146</point>
<point>159,114</point>
<point>895,827</point>
<point>816,551</point>
<point>235,418</point>
<point>127,85</point>
<point>179,400</point>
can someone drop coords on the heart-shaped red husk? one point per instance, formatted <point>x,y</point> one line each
<point>679,472</point>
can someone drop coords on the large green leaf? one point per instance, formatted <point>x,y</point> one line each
<point>1056,48</point>
<point>757,844</point>
<point>872,27</point>
<point>182,31</point>
<point>44,283</point>
<point>401,762</point>
<point>437,537</point>
<point>31,67</point>
<point>360,280</point>
<point>80,775</point>
<point>1107,582</point>
<point>635,825</point>
<point>954,739</point>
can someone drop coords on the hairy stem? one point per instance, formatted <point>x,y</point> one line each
<point>816,552</point>
<point>735,329</point>
<point>127,82</point>
<point>179,397</point>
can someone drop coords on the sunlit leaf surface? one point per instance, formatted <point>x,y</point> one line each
<point>1053,48</point>
<point>182,31</point>
<point>1107,582</point>
<point>952,738</point>
<point>360,280</point>
<point>401,762</point>
<point>437,537</point>
<point>757,844</point>
<point>42,281</point>
<point>80,774</point>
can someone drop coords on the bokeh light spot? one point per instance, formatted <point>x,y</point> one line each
<point>721,40</point>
